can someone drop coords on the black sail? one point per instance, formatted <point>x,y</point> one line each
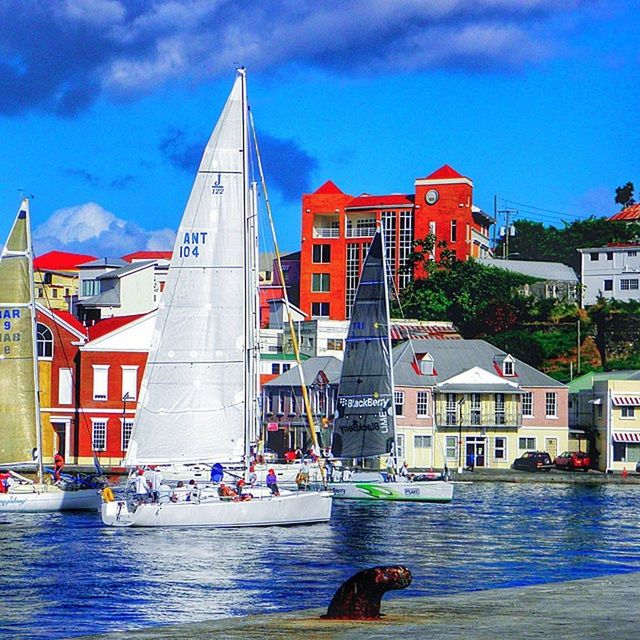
<point>365,422</point>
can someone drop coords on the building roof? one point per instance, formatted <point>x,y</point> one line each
<point>405,331</point>
<point>611,248</point>
<point>629,214</point>
<point>534,268</point>
<point>331,366</point>
<point>367,201</point>
<point>148,255</point>
<point>108,325</point>
<point>104,262</point>
<point>109,298</point>
<point>60,261</point>
<point>453,357</point>
<point>71,320</point>
<point>126,270</point>
<point>585,382</point>
<point>329,187</point>
<point>445,172</point>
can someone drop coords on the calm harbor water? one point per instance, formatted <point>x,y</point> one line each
<point>65,574</point>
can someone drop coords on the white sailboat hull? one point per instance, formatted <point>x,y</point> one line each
<point>287,509</point>
<point>43,498</point>
<point>432,491</point>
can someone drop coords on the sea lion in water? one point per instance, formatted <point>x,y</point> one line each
<point>359,597</point>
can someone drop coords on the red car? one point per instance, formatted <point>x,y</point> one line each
<point>573,461</point>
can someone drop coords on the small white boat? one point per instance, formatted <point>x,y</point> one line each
<point>198,398</point>
<point>21,427</point>
<point>374,488</point>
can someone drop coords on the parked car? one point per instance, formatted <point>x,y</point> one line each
<point>637,467</point>
<point>533,461</point>
<point>573,461</point>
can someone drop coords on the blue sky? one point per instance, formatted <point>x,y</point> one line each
<point>106,104</point>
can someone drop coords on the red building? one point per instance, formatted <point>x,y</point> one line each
<point>337,230</point>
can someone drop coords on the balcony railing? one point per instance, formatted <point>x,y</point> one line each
<point>361,232</point>
<point>326,232</point>
<point>474,418</point>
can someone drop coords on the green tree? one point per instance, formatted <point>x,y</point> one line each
<point>624,195</point>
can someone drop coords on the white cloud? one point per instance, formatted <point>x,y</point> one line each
<point>88,228</point>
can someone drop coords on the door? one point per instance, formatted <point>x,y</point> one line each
<point>60,438</point>
<point>551,447</point>
<point>475,451</point>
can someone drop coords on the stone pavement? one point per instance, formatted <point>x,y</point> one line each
<point>605,608</point>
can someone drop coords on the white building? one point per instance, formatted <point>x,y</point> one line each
<point>612,271</point>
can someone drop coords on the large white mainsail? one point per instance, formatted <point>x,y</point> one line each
<point>193,403</point>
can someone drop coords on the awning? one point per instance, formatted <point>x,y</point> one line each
<point>626,437</point>
<point>626,401</point>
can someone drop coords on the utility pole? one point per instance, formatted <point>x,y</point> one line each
<point>507,229</point>
<point>579,341</point>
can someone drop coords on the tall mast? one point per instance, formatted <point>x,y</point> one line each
<point>34,338</point>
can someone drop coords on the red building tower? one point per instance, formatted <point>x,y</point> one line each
<point>337,229</point>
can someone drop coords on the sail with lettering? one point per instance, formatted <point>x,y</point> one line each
<point>365,422</point>
<point>18,363</point>
<point>192,405</point>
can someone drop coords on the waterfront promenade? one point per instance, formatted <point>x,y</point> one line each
<point>599,609</point>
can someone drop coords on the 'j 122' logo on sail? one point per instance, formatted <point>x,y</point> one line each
<point>217,188</point>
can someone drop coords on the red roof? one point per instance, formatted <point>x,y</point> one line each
<point>395,200</point>
<point>630,213</point>
<point>70,319</point>
<point>445,172</point>
<point>60,261</point>
<point>148,255</point>
<point>329,187</point>
<point>108,325</point>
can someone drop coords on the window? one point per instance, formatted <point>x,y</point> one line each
<point>628,412</point>
<point>281,402</point>
<point>320,282</point>
<point>285,366</point>
<point>527,444</point>
<point>100,381</point>
<point>44,339</point>
<point>451,409</point>
<point>627,284</point>
<point>320,309</point>
<point>632,254</point>
<point>54,293</point>
<point>426,365</point>
<point>609,255</point>
<point>398,397</point>
<point>454,231</point>
<point>98,435</point>
<point>40,292</point>
<point>335,344</point>
<point>500,449</point>
<point>626,452</point>
<point>476,410</point>
<point>608,285</point>
<point>127,428</point>
<point>527,404</point>
<point>90,288</point>
<point>292,404</point>
<point>268,404</point>
<point>594,257</point>
<point>129,382</point>
<point>275,368</point>
<point>551,404</point>
<point>451,447</point>
<point>507,368</point>
<point>321,253</point>
<point>422,404</point>
<point>65,386</point>
<point>499,400</point>
<point>399,446</point>
<point>422,442</point>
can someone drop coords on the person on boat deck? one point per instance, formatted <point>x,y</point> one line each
<point>164,494</point>
<point>226,492</point>
<point>180,493</point>
<point>156,483</point>
<point>193,491</point>
<point>140,487</point>
<point>289,456</point>
<point>404,471</point>
<point>272,482</point>
<point>252,478</point>
<point>58,464</point>
<point>6,482</point>
<point>217,473</point>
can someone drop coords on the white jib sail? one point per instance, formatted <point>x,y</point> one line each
<point>192,405</point>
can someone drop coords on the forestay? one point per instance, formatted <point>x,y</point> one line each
<point>18,390</point>
<point>364,424</point>
<point>192,405</point>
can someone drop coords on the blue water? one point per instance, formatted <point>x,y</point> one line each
<point>65,574</point>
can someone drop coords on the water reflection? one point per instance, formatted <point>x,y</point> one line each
<point>63,572</point>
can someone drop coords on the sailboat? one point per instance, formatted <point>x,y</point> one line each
<point>365,422</point>
<point>199,394</point>
<point>21,427</point>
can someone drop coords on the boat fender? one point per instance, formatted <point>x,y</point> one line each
<point>359,597</point>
